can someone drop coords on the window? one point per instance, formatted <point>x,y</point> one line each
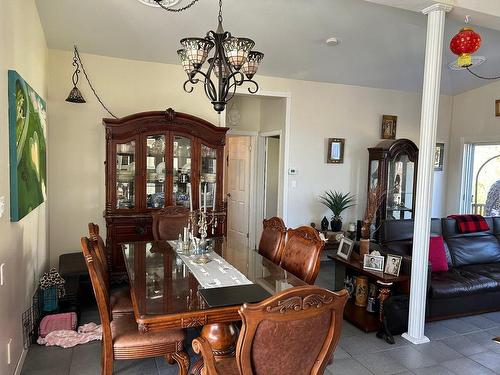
<point>481,179</point>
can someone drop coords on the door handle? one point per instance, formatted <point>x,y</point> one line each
<point>228,195</point>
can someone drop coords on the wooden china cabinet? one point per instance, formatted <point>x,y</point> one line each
<point>393,164</point>
<point>152,158</point>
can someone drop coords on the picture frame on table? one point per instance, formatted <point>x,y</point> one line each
<point>335,153</point>
<point>373,262</point>
<point>393,264</point>
<point>439,157</point>
<point>345,248</point>
<point>389,126</point>
<point>497,108</point>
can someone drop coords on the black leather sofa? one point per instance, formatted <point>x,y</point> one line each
<point>472,283</point>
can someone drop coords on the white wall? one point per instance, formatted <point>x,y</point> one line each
<point>473,121</point>
<point>318,111</point>
<point>23,245</point>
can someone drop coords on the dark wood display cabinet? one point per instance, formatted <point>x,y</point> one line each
<point>393,165</point>
<point>154,160</point>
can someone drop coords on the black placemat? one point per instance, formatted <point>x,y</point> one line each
<point>234,295</point>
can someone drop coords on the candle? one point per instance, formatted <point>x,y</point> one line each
<point>213,200</point>
<point>352,227</point>
<point>190,198</point>
<point>205,199</point>
<point>199,200</point>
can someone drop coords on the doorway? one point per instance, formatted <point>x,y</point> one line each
<point>263,118</point>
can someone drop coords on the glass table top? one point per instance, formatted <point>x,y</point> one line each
<point>162,284</point>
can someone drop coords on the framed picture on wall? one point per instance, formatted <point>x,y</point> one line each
<point>335,151</point>
<point>439,157</point>
<point>389,124</point>
<point>497,108</point>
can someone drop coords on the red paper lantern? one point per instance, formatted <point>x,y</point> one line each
<point>464,44</point>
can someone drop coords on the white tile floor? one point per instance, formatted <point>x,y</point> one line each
<point>461,346</point>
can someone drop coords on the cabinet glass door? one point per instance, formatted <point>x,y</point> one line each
<point>374,173</point>
<point>155,171</point>
<point>208,176</point>
<point>400,188</point>
<point>182,171</point>
<point>125,175</point>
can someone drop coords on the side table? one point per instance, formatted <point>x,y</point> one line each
<point>359,316</point>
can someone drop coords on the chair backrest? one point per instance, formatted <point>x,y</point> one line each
<point>100,289</point>
<point>302,253</point>
<point>100,249</point>
<point>294,332</point>
<point>272,240</point>
<point>169,222</point>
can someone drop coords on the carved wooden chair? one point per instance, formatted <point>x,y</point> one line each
<point>169,222</point>
<point>301,255</point>
<point>120,336</point>
<point>120,300</point>
<point>294,332</point>
<point>272,240</point>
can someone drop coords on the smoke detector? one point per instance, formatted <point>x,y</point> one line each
<point>476,61</point>
<point>333,41</point>
<point>153,3</point>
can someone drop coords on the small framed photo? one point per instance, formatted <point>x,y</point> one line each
<point>335,151</point>
<point>345,248</point>
<point>497,108</point>
<point>393,264</point>
<point>439,157</point>
<point>373,262</point>
<point>389,125</point>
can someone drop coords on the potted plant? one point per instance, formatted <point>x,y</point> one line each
<point>337,202</point>
<point>375,199</point>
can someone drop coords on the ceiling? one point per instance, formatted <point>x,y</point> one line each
<point>381,46</point>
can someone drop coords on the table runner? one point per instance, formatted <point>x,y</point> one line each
<point>215,274</point>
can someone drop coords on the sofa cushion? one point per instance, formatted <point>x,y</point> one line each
<point>460,282</point>
<point>437,254</point>
<point>467,250</point>
<point>402,230</point>
<point>399,247</point>
<point>491,270</point>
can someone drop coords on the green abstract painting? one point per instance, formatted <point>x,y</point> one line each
<point>27,147</point>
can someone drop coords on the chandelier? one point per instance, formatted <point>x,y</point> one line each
<point>233,64</point>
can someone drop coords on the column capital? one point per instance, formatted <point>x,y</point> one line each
<point>438,7</point>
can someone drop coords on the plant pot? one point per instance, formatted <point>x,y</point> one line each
<point>336,224</point>
<point>364,247</point>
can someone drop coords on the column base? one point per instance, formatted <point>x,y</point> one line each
<point>414,340</point>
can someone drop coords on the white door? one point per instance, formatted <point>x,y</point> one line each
<point>238,189</point>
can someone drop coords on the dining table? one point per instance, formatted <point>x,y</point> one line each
<point>165,285</point>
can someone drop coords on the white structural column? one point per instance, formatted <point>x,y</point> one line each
<point>429,118</point>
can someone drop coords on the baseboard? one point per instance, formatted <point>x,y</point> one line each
<point>20,363</point>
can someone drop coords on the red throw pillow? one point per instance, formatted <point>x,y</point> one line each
<point>437,254</point>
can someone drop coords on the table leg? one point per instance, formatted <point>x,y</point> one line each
<point>222,338</point>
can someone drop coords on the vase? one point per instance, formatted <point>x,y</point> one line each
<point>361,299</point>
<point>364,247</point>
<point>336,224</point>
<point>365,229</point>
<point>324,224</point>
